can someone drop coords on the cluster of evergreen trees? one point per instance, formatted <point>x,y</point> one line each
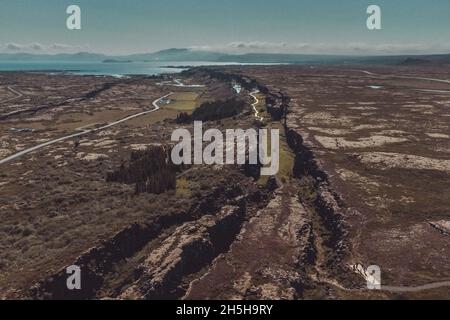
<point>150,170</point>
<point>183,117</point>
<point>246,83</point>
<point>215,110</point>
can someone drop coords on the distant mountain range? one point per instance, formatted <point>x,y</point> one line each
<point>187,55</point>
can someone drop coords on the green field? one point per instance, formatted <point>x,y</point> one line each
<point>183,101</point>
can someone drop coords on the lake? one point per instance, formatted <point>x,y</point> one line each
<point>101,68</point>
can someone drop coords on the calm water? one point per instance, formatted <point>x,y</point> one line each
<point>100,68</point>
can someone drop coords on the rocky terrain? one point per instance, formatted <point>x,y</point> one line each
<point>379,139</point>
<point>364,177</point>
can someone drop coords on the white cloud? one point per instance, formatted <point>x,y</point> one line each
<point>38,47</point>
<point>13,47</point>
<point>325,48</point>
<point>62,46</point>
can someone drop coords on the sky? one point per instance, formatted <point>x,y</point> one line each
<point>237,26</point>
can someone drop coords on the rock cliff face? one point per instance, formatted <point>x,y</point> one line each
<point>277,104</point>
<point>327,202</point>
<point>322,237</point>
<point>267,259</point>
<point>287,240</point>
<point>192,246</point>
<point>98,261</point>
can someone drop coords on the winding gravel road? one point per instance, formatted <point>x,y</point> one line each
<point>252,94</point>
<point>78,134</point>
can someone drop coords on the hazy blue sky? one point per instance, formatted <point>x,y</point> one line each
<point>304,26</point>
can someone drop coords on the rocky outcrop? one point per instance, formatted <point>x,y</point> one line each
<point>267,259</point>
<point>189,248</point>
<point>277,104</point>
<point>272,183</point>
<point>333,217</point>
<point>305,161</point>
<point>98,261</point>
<point>328,204</point>
<point>307,256</point>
